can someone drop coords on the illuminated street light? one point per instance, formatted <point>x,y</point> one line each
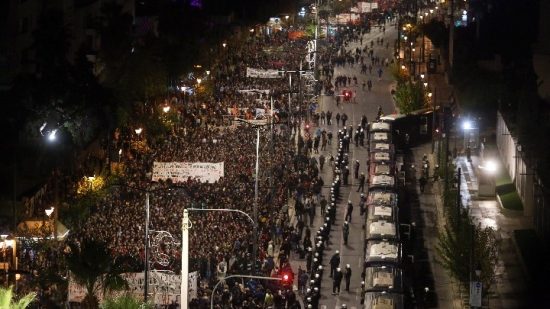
<point>467,125</point>
<point>426,13</point>
<point>429,94</point>
<point>199,81</point>
<point>52,136</point>
<point>287,17</point>
<point>431,11</point>
<point>138,131</point>
<point>403,67</point>
<point>251,30</point>
<point>224,44</point>
<point>422,76</point>
<point>207,72</point>
<point>425,84</point>
<point>49,211</point>
<point>491,166</point>
<point>166,108</point>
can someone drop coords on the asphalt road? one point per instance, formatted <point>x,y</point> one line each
<point>366,103</point>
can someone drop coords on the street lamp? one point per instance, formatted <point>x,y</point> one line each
<point>166,108</point>
<point>422,76</point>
<point>49,211</point>
<point>52,136</point>
<point>138,131</point>
<point>224,45</point>
<point>425,84</point>
<point>466,125</point>
<point>255,211</point>
<point>491,166</point>
<point>199,81</point>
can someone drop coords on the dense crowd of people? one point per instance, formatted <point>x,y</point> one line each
<point>201,133</point>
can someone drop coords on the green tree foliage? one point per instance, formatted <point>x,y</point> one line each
<point>410,96</point>
<point>7,300</point>
<point>65,95</point>
<point>456,256</point>
<point>463,246</point>
<point>93,267</point>
<point>125,302</point>
<point>343,6</point>
<point>401,76</point>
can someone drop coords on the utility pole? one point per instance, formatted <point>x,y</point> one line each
<point>184,287</point>
<point>434,111</point>
<point>255,211</point>
<point>146,277</point>
<point>451,33</point>
<point>458,197</point>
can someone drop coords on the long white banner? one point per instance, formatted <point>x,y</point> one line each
<point>254,91</point>
<point>164,288</point>
<point>261,73</point>
<point>182,171</point>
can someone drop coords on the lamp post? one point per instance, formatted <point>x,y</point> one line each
<point>146,277</point>
<point>255,210</point>
<point>186,225</point>
<point>467,127</point>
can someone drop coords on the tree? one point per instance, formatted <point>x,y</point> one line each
<point>7,299</point>
<point>93,267</point>
<point>410,97</point>
<point>125,302</point>
<point>455,252</point>
<point>343,6</point>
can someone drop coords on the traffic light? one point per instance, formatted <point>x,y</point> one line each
<point>347,95</point>
<point>287,278</point>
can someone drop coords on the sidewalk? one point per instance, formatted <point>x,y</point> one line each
<point>510,287</point>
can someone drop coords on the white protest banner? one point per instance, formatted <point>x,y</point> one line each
<point>261,73</point>
<point>254,91</point>
<point>182,171</point>
<point>364,7</point>
<point>193,285</point>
